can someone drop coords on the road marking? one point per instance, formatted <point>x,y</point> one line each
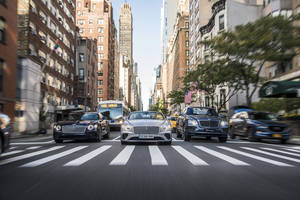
<point>277,163</point>
<point>237,142</point>
<point>87,157</point>
<point>190,157</point>
<point>10,160</point>
<point>175,140</point>
<point>293,150</point>
<point>223,156</point>
<point>157,158</point>
<point>272,154</point>
<point>11,153</point>
<point>32,143</point>
<point>53,157</point>
<point>284,152</point>
<point>11,148</point>
<point>117,138</point>
<point>123,157</point>
<point>33,148</point>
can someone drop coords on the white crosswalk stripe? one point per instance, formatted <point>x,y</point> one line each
<point>270,161</point>
<point>53,157</point>
<point>272,154</point>
<point>293,150</point>
<point>284,152</point>
<point>29,155</point>
<point>190,157</point>
<point>33,148</point>
<point>87,157</point>
<point>11,153</point>
<point>157,158</point>
<point>123,157</point>
<point>223,156</point>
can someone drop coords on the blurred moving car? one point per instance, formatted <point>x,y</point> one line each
<point>146,127</point>
<point>5,131</point>
<point>90,126</point>
<point>173,121</point>
<point>258,125</point>
<point>203,122</point>
<point>236,109</point>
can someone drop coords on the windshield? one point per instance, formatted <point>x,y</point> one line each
<point>202,111</point>
<point>114,113</point>
<point>89,116</point>
<point>263,116</point>
<point>146,115</point>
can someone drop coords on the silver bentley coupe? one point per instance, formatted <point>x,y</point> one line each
<point>146,127</point>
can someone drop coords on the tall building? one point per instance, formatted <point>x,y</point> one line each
<point>45,77</point>
<point>125,46</point>
<point>86,89</point>
<point>116,68</point>
<point>95,20</point>
<point>8,57</point>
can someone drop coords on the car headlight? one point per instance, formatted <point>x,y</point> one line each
<point>165,127</point>
<point>58,127</point>
<point>192,122</point>
<point>90,127</point>
<point>224,123</point>
<point>127,128</point>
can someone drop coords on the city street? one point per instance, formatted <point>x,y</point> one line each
<point>37,168</point>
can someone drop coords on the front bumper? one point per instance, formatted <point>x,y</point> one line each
<point>213,132</point>
<point>161,137</point>
<point>6,138</point>
<point>58,135</point>
<point>259,134</point>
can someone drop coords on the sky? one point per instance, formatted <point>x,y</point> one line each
<point>146,39</point>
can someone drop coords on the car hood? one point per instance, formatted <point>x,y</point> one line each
<point>269,123</point>
<point>204,117</point>
<point>147,122</point>
<point>63,123</point>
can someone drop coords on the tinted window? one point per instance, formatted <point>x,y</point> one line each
<point>90,116</point>
<point>262,116</point>
<point>201,111</point>
<point>146,115</point>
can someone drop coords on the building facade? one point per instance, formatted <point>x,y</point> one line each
<point>95,20</point>
<point>46,77</point>
<point>8,56</point>
<point>86,88</point>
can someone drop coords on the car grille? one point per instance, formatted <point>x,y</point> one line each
<point>146,130</point>
<point>212,124</point>
<point>73,129</point>
<point>276,128</point>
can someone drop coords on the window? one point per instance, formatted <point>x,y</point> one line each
<point>90,21</point>
<point>3,2</point>
<point>94,6</point>
<point>100,21</point>
<point>99,99</point>
<point>79,4</point>
<point>81,74</point>
<point>91,30</point>
<point>81,30</point>
<point>1,75</point>
<point>78,12</point>
<point>187,62</point>
<point>100,73</point>
<point>2,30</point>
<point>187,53</point>
<point>100,91</point>
<point>81,21</point>
<point>187,43</point>
<point>187,34</point>
<point>81,57</point>
<point>100,39</point>
<point>100,55</point>
<point>100,82</point>
<point>100,66</point>
<point>221,23</point>
<point>100,47</point>
<point>186,25</point>
<point>100,30</point>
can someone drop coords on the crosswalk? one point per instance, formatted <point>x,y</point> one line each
<point>197,155</point>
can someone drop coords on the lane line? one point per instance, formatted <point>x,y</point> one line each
<point>11,148</point>
<point>237,142</point>
<point>117,138</point>
<point>32,143</point>
<point>53,157</point>
<point>293,150</point>
<point>29,155</point>
<point>123,157</point>
<point>284,152</point>
<point>274,162</point>
<point>157,158</point>
<point>87,157</point>
<point>223,156</point>
<point>272,154</point>
<point>190,157</point>
<point>33,148</point>
<point>11,153</point>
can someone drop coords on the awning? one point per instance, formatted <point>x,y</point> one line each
<point>277,89</point>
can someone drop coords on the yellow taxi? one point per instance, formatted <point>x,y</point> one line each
<point>173,121</point>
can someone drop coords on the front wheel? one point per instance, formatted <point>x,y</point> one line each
<point>185,136</point>
<point>178,134</point>
<point>222,139</point>
<point>231,133</point>
<point>251,135</point>
<point>1,145</point>
<point>123,142</point>
<point>283,141</point>
<point>58,141</point>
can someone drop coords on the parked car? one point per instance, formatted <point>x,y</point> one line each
<point>258,125</point>
<point>201,122</point>
<point>146,127</point>
<point>173,121</point>
<point>5,131</point>
<point>90,126</point>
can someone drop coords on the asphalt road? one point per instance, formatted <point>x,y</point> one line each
<point>37,168</point>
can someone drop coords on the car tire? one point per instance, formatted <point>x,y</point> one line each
<point>251,136</point>
<point>231,133</point>
<point>58,141</point>
<point>99,138</point>
<point>1,145</point>
<point>222,139</point>
<point>123,142</point>
<point>106,136</point>
<point>185,136</point>
<point>168,143</point>
<point>178,134</point>
<point>208,137</point>
<point>283,141</point>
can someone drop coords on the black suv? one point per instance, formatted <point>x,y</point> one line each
<point>258,125</point>
<point>201,121</point>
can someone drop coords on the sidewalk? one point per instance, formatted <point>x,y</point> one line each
<point>16,135</point>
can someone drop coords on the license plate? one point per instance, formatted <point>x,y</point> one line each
<point>145,136</point>
<point>209,130</point>
<point>277,135</point>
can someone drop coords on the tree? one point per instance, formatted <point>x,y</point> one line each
<point>248,48</point>
<point>176,96</point>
